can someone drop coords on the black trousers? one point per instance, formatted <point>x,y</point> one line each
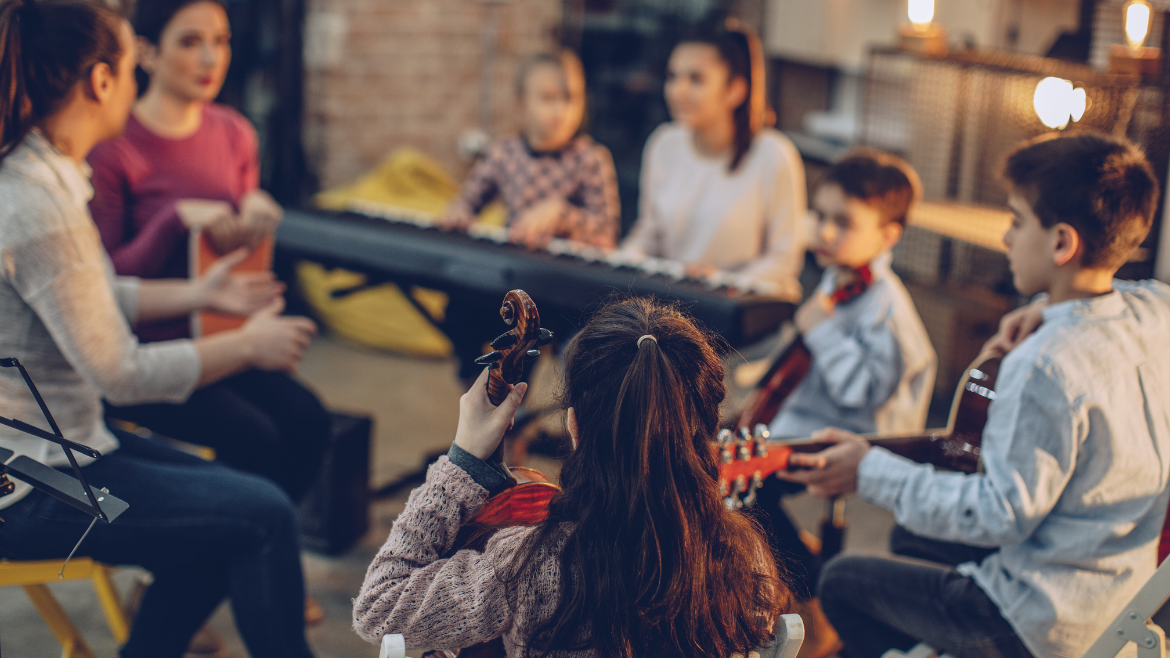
<point>258,422</point>
<point>878,603</point>
<point>797,564</point>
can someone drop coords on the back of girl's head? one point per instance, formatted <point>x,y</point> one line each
<point>739,48</point>
<point>881,180</point>
<point>151,17</point>
<point>654,564</point>
<point>46,48</point>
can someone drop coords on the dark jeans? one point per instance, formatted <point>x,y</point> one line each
<point>205,531</point>
<point>260,422</point>
<point>878,603</point>
<point>797,564</point>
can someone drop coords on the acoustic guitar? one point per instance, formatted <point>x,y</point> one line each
<point>746,458</point>
<point>794,363</point>
<point>524,497</point>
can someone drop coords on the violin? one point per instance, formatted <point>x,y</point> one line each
<point>525,496</point>
<point>794,363</point>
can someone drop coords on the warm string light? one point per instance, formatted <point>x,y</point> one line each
<point>1137,23</point>
<point>920,12</point>
<point>1056,102</point>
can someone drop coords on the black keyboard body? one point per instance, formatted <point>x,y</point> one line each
<point>456,263</point>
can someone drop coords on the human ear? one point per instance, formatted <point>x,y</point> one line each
<point>891,233</point>
<point>101,82</point>
<point>1066,244</point>
<point>571,424</point>
<point>147,54</point>
<point>737,91</point>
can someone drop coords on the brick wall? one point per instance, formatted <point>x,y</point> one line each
<point>387,73</point>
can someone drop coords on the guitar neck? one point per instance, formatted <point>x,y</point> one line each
<point>937,447</point>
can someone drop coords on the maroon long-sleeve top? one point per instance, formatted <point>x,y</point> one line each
<point>139,176</point>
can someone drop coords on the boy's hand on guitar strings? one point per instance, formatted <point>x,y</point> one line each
<point>1015,327</point>
<point>482,424</point>
<point>832,471</point>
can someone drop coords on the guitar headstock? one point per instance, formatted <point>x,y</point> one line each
<point>514,348</point>
<point>745,459</point>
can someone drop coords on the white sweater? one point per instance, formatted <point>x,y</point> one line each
<point>66,316</point>
<point>750,221</point>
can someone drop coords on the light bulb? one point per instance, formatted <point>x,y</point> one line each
<point>920,12</point>
<point>1079,101</point>
<point>1137,23</point>
<point>1054,101</point>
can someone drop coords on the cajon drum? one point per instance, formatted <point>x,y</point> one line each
<point>206,323</point>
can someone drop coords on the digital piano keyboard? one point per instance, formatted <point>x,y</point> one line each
<point>404,248</point>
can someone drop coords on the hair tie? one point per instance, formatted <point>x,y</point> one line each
<point>645,337</point>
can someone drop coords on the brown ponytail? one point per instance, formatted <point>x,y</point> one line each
<point>654,564</point>
<point>46,48</point>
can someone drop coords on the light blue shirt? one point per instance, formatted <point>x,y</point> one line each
<point>873,365</point>
<point>1076,455</point>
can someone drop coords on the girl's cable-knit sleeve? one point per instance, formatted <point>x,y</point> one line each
<point>434,602</point>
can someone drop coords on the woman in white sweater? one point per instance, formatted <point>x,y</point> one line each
<point>204,531</point>
<point>719,190</point>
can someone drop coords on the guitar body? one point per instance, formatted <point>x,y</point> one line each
<point>744,463</point>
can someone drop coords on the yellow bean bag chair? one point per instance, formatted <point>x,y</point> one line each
<point>381,316</point>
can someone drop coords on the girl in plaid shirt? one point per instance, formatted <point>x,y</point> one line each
<point>554,181</point>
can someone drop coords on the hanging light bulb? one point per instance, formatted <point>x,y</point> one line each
<point>1137,22</point>
<point>920,12</point>
<point>1056,102</point>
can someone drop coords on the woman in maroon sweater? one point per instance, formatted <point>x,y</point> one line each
<point>182,163</point>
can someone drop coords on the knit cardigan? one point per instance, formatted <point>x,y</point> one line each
<point>457,601</point>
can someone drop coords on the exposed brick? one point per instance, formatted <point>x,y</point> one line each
<point>410,75</point>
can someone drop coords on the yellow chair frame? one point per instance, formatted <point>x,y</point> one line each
<point>34,577</point>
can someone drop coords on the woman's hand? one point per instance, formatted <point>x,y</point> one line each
<point>1015,327</point>
<point>236,294</point>
<point>277,343</point>
<point>259,215</point>
<point>537,225</point>
<point>481,424</point>
<point>832,471</point>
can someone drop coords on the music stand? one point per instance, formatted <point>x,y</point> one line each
<point>74,491</point>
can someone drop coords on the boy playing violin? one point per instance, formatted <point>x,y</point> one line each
<point>872,363</point>
<point>1060,529</point>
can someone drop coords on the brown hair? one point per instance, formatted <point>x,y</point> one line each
<point>654,564</point>
<point>1101,186</point>
<point>46,48</point>
<point>739,48</point>
<point>882,181</point>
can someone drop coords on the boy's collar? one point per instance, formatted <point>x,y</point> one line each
<point>1111,303</point>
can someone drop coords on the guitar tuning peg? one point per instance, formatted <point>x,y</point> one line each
<point>743,434</point>
<point>761,432</point>
<point>490,358</point>
<point>724,437</point>
<point>546,337</point>
<point>532,355</point>
<point>504,341</point>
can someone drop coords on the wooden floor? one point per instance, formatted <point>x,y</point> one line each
<point>415,404</point>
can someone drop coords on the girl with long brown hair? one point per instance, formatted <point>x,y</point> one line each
<point>638,556</point>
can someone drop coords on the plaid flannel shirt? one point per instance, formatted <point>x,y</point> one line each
<point>582,173</point>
